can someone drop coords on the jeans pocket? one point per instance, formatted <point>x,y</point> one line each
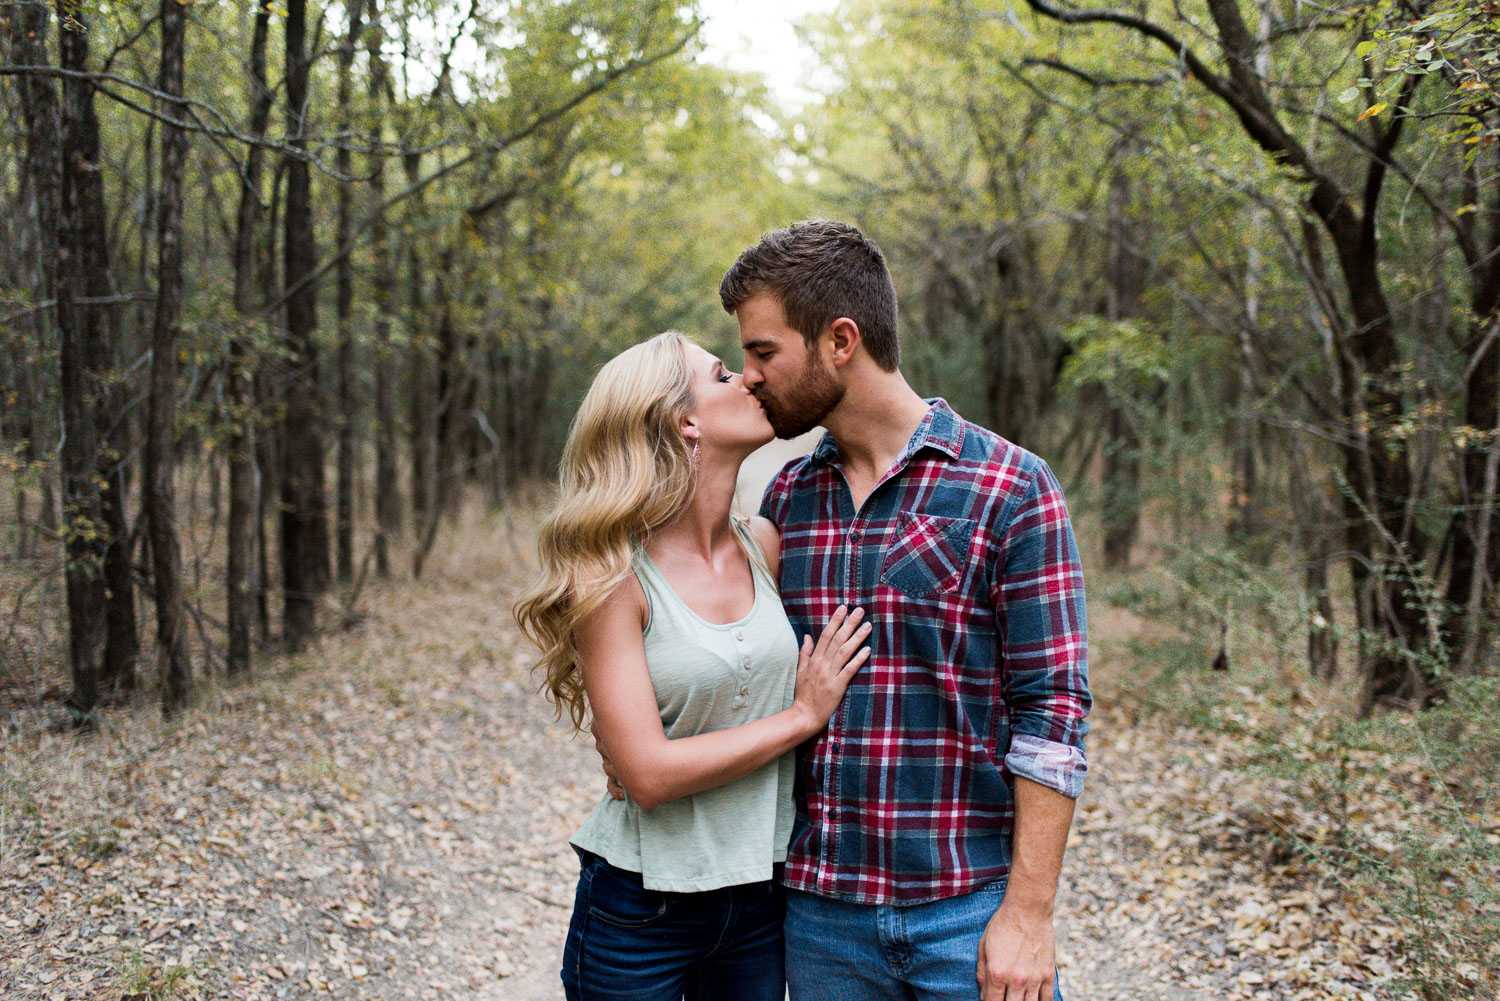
<point>617,897</point>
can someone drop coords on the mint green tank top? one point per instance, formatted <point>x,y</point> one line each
<point>708,677</point>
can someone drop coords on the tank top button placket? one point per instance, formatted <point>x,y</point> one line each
<point>742,655</point>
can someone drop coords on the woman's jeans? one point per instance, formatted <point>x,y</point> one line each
<point>629,942</point>
<point>838,951</point>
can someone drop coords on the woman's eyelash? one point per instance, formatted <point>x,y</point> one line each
<point>724,377</point>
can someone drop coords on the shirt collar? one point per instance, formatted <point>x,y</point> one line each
<point>940,429</point>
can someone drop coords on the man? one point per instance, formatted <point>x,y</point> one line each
<point>933,812</point>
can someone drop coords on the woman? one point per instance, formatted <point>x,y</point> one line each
<point>657,611</point>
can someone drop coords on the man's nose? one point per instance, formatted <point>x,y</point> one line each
<point>752,378</point>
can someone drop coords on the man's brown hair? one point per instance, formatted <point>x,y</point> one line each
<point>820,270</point>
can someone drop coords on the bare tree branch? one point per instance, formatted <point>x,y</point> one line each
<point>1091,79</point>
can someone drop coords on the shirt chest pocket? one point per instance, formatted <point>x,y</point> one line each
<point>928,556</point>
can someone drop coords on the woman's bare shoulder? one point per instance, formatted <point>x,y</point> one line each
<point>627,603</point>
<point>768,537</point>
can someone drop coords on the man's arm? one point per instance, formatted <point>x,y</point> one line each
<point>1018,954</point>
<point>1039,604</point>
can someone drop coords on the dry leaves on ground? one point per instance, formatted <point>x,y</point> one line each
<point>386,815</point>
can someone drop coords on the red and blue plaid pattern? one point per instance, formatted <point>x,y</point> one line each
<point>964,560</point>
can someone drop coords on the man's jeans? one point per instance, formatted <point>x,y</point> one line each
<point>629,942</point>
<point>838,951</point>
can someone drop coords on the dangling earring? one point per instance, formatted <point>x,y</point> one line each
<point>695,451</point>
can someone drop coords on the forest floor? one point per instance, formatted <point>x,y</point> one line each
<point>385,817</point>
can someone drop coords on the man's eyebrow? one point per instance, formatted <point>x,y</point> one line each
<point>756,345</point>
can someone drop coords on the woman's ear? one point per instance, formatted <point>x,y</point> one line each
<point>689,429</point>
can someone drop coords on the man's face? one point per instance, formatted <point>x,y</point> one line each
<point>792,380</point>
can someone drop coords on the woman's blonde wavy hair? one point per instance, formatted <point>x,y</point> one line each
<point>627,470</point>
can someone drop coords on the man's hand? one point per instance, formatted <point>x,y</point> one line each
<point>611,779</point>
<point>1017,954</point>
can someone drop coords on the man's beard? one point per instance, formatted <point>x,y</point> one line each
<point>804,404</point>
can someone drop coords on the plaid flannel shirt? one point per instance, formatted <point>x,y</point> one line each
<point>964,561</point>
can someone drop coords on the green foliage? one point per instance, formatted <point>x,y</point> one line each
<point>1126,355</point>
<point>95,842</point>
<point>143,978</point>
<point>1457,42</point>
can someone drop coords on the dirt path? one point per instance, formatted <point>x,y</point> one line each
<point>386,818</point>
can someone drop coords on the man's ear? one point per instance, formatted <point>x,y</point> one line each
<point>842,339</point>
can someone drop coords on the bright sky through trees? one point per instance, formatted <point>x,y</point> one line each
<point>758,37</point>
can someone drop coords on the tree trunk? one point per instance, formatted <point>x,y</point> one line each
<point>268,461</point>
<point>344,504</point>
<point>245,523</point>
<point>1126,274</point>
<point>28,26</point>
<point>495,412</point>
<point>474,444</point>
<point>304,517</point>
<point>83,337</point>
<point>1322,639</point>
<point>422,413</point>
<point>269,394</point>
<point>430,422</point>
<point>387,500</point>
<point>171,638</point>
<point>451,383</point>
<point>509,424</point>
<point>535,397</point>
<point>1244,525</point>
<point>122,649</point>
<point>1391,600</point>
<point>1475,571</point>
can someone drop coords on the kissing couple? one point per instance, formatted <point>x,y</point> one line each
<point>845,736</point>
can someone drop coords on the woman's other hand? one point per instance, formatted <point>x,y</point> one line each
<point>825,668</point>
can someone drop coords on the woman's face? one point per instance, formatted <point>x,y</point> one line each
<point>725,414</point>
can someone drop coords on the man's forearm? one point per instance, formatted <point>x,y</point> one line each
<point>1017,953</point>
<point>1043,817</point>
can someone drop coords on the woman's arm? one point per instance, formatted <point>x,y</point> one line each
<point>627,723</point>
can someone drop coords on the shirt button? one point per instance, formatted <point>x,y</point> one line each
<point>745,690</point>
<point>739,634</point>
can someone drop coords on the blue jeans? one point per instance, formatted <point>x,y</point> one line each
<point>647,945</point>
<point>838,951</point>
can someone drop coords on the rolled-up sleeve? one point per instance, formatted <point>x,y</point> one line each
<point>1039,605</point>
